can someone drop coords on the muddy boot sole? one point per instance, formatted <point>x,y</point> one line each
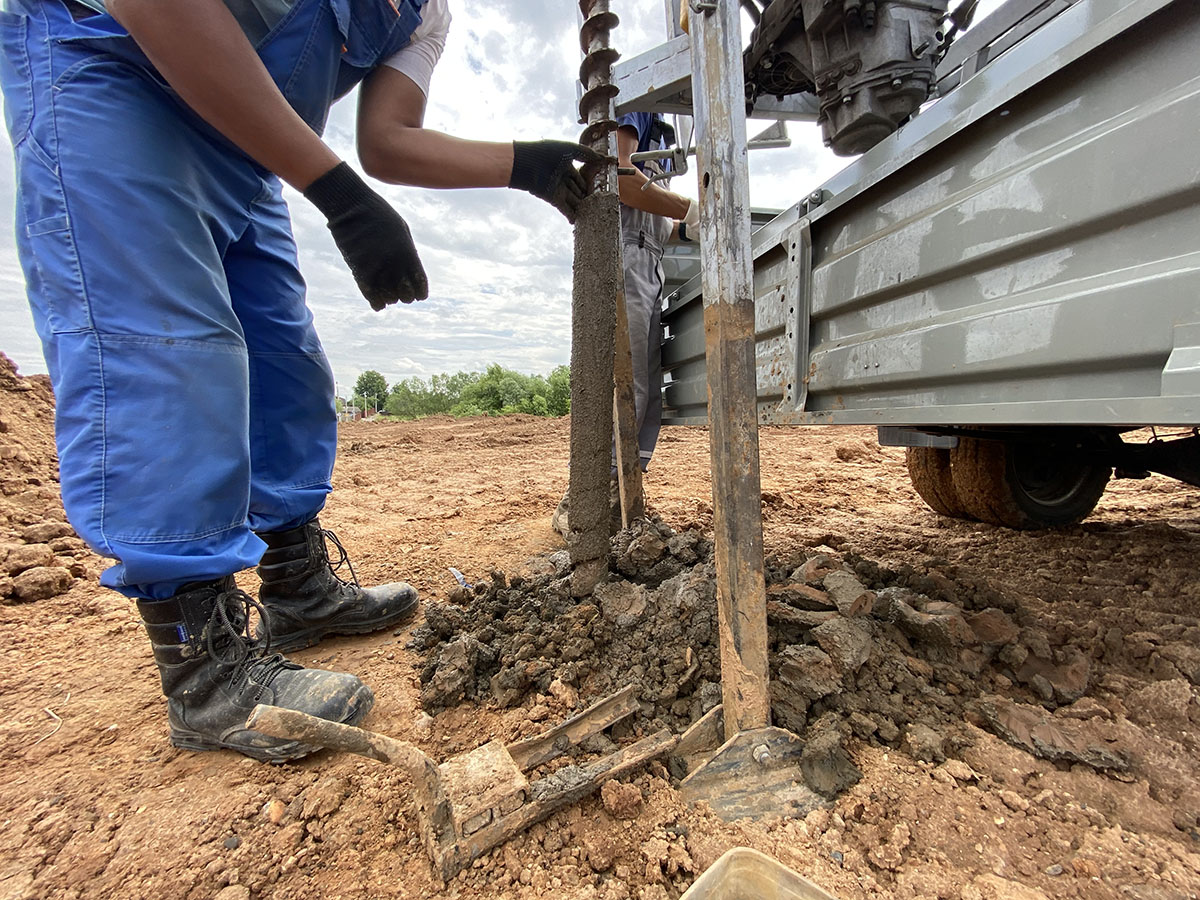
<point>360,705</point>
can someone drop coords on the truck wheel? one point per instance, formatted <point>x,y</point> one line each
<point>1025,485</point>
<point>929,471</point>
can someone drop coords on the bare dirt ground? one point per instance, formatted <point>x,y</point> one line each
<point>94,802</point>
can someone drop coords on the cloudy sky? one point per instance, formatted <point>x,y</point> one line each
<point>499,261</point>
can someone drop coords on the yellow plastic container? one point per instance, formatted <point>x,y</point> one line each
<point>745,874</point>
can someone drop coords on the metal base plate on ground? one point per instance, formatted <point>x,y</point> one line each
<point>755,774</point>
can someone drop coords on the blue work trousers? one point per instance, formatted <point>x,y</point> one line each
<point>195,404</point>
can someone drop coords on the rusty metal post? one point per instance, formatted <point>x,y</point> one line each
<point>727,277</point>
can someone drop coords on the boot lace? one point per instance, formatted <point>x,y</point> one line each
<point>229,642</point>
<point>343,558</point>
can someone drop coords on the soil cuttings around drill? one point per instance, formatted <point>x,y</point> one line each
<point>909,659</point>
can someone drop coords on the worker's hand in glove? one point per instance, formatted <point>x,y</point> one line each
<point>692,219</point>
<point>372,238</point>
<point>547,170</point>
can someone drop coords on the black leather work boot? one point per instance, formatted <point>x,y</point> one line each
<point>305,600</point>
<point>214,674</point>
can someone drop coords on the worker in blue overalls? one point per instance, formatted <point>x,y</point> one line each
<point>195,409</point>
<point>651,217</point>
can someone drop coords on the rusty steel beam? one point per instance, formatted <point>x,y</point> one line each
<point>727,278</point>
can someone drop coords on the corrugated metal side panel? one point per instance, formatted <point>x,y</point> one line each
<point>1044,256</point>
<point>1040,266</point>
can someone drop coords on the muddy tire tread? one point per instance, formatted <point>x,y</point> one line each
<point>929,472</point>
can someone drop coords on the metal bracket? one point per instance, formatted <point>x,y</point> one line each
<point>773,138</point>
<point>815,199</point>
<point>678,157</point>
<point>708,7</point>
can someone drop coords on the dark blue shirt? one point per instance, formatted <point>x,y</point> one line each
<point>643,123</point>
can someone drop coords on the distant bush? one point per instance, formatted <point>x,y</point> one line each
<point>498,391</point>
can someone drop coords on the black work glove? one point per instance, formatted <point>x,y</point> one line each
<point>547,170</point>
<point>373,239</point>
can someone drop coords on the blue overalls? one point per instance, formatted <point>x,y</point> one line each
<point>195,404</point>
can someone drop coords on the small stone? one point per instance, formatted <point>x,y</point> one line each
<point>851,597</point>
<point>943,629</point>
<point>623,801</point>
<point>1054,870</point>
<point>862,725</point>
<point>808,671</point>
<point>41,583</point>
<point>889,732</point>
<point>564,693</point>
<point>233,842</point>
<point>847,642</point>
<point>26,557</point>
<point>1066,682</point>
<point>538,713</point>
<point>826,766</point>
<point>422,727</point>
<point>324,798</point>
<point>923,743</point>
<point>959,770</point>
<point>993,627</point>
<point>646,550</point>
<point>45,532</point>
<point>1014,801</point>
<point>1085,868</point>
<point>288,838</point>
<point>1162,701</point>
<point>276,810</point>
<point>1041,686</point>
<point>600,850</point>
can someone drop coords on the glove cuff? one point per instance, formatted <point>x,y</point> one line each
<point>526,167</point>
<point>336,190</point>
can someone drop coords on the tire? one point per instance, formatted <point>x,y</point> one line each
<point>929,471</point>
<point>1026,485</point>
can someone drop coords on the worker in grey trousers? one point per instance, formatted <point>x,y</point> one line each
<point>651,217</point>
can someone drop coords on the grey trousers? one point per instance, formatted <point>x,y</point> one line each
<point>642,239</point>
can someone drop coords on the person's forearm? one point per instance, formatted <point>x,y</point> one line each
<point>430,159</point>
<point>200,50</point>
<point>653,199</point>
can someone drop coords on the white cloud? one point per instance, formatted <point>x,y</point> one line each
<point>498,261</point>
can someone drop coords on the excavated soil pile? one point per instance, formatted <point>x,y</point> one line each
<point>40,556</point>
<point>906,658</point>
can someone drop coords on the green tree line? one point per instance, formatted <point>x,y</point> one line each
<point>497,391</point>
